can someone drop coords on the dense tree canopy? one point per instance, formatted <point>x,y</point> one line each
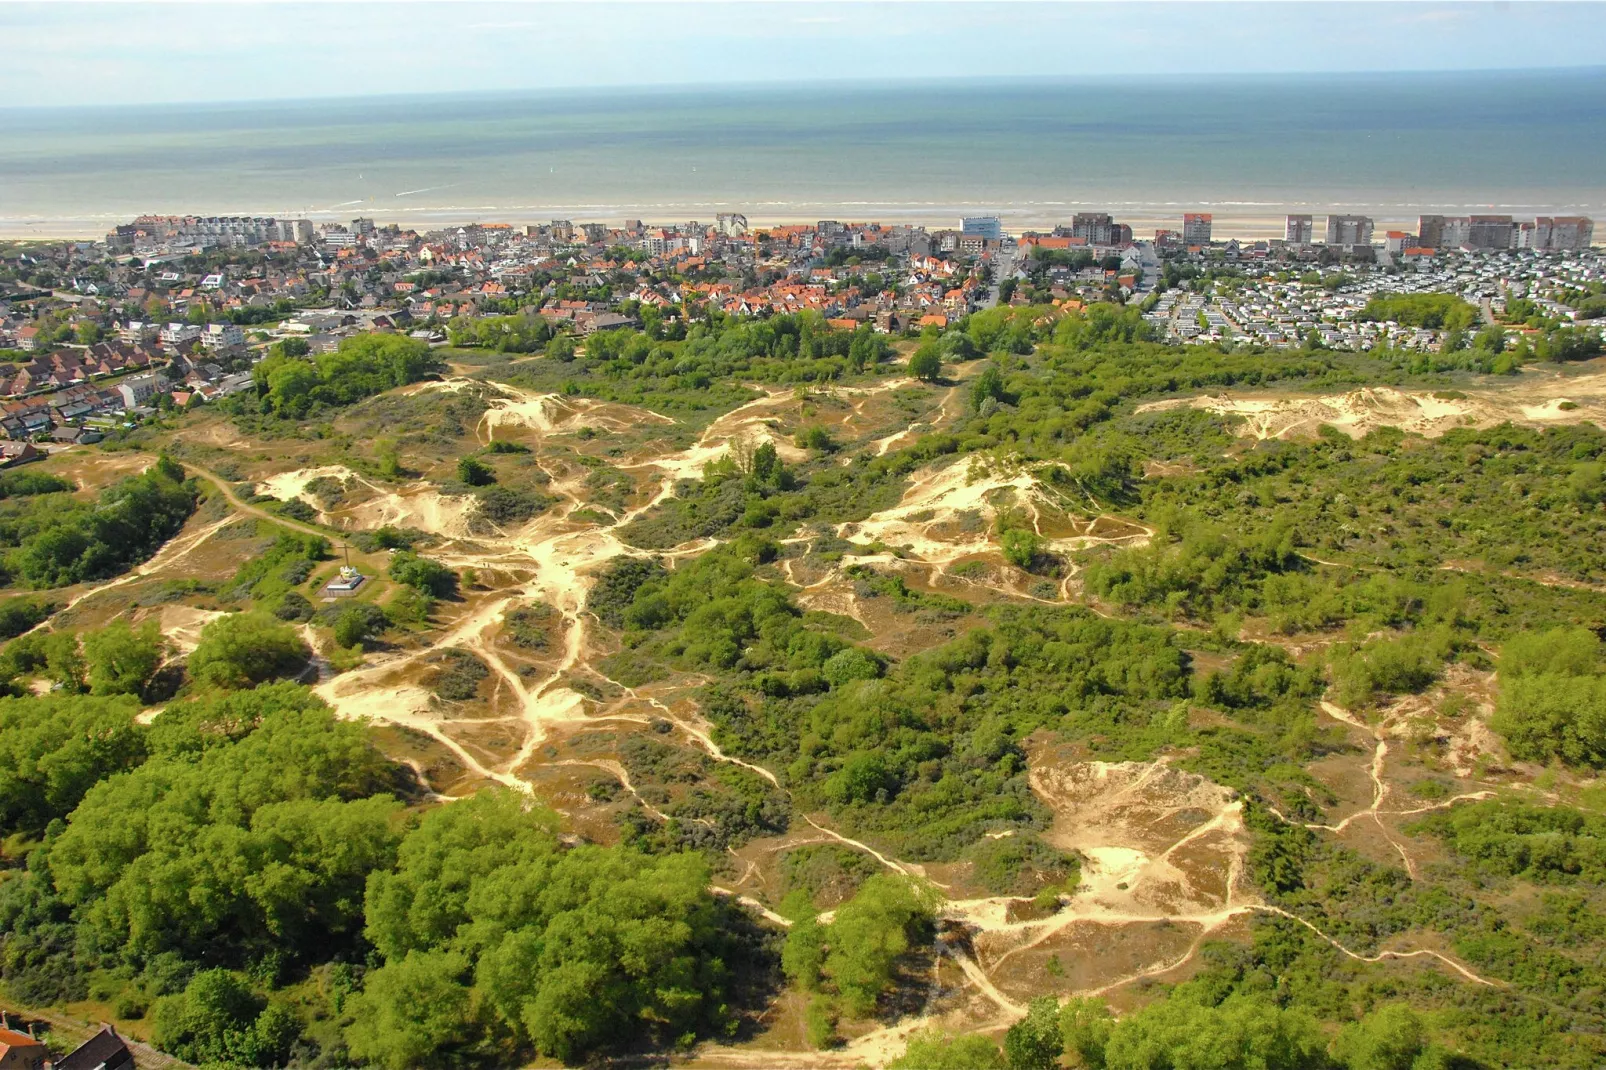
<point>573,950</point>
<point>57,539</point>
<point>366,364</point>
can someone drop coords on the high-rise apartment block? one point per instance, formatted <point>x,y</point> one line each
<point>987,226</point>
<point>1572,233</point>
<point>1489,232</point>
<point>1349,231</point>
<point>1096,228</point>
<point>1196,228</point>
<point>1297,230</point>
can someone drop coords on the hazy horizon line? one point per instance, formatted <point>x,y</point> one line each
<point>733,87</point>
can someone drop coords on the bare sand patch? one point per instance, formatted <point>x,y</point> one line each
<point>1536,398</point>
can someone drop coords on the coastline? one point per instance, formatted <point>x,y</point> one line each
<point>1244,226</point>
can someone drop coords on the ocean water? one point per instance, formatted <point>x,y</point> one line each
<point>1246,148</point>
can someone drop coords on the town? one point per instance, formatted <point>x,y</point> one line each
<point>168,312</point>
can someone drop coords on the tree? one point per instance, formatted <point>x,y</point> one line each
<point>357,622</point>
<point>1085,1026</point>
<point>817,439</point>
<point>244,649</point>
<point>868,934</point>
<point>1020,547</point>
<point>122,660</point>
<point>614,942</point>
<point>804,952</point>
<point>18,615</point>
<point>475,472</point>
<point>926,364</point>
<point>219,718</point>
<point>233,850</point>
<point>1035,1042</point>
<point>63,660</point>
<point>72,542</point>
<point>411,1010</point>
<point>561,348</point>
<point>430,577</point>
<point>850,664</point>
<point>989,384</point>
<point>1552,700</point>
<point>218,1019</point>
<point>54,748</point>
<point>1389,1038</point>
<point>1241,1033</point>
<point>932,1049</point>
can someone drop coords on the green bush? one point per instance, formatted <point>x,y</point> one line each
<point>244,649</point>
<point>475,472</point>
<point>428,576</point>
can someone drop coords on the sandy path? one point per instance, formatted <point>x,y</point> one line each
<point>1380,789</point>
<point>173,551</point>
<point>618,770</point>
<point>1123,884</point>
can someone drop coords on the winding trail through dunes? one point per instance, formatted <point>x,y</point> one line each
<point>608,765</point>
<point>241,506</point>
<point>175,550</point>
<point>559,554</point>
<point>1160,847</point>
<point>1384,955</point>
<point>1380,789</point>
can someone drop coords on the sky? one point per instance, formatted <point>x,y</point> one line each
<point>68,53</point>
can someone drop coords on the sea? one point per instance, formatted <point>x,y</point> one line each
<point>1247,149</point>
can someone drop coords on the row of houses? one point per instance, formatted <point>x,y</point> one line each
<point>67,367</point>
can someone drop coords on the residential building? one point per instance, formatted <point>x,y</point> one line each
<point>194,231</point>
<point>1442,232</point>
<point>295,230</point>
<point>137,389</point>
<point>14,453</point>
<point>989,227</point>
<point>975,244</point>
<point>1196,228</point>
<point>335,235</point>
<point>103,1051</point>
<point>1397,241</point>
<point>19,1051</point>
<point>137,331</point>
<point>223,336</point>
<point>1297,230</point>
<point>1572,233</point>
<point>1349,231</point>
<point>1489,232</point>
<point>1096,228</point>
<point>178,333</point>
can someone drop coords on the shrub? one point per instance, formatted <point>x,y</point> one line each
<point>475,472</point>
<point>426,575</point>
<point>245,649</point>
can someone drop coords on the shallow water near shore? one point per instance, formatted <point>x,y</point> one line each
<point>1247,149</point>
